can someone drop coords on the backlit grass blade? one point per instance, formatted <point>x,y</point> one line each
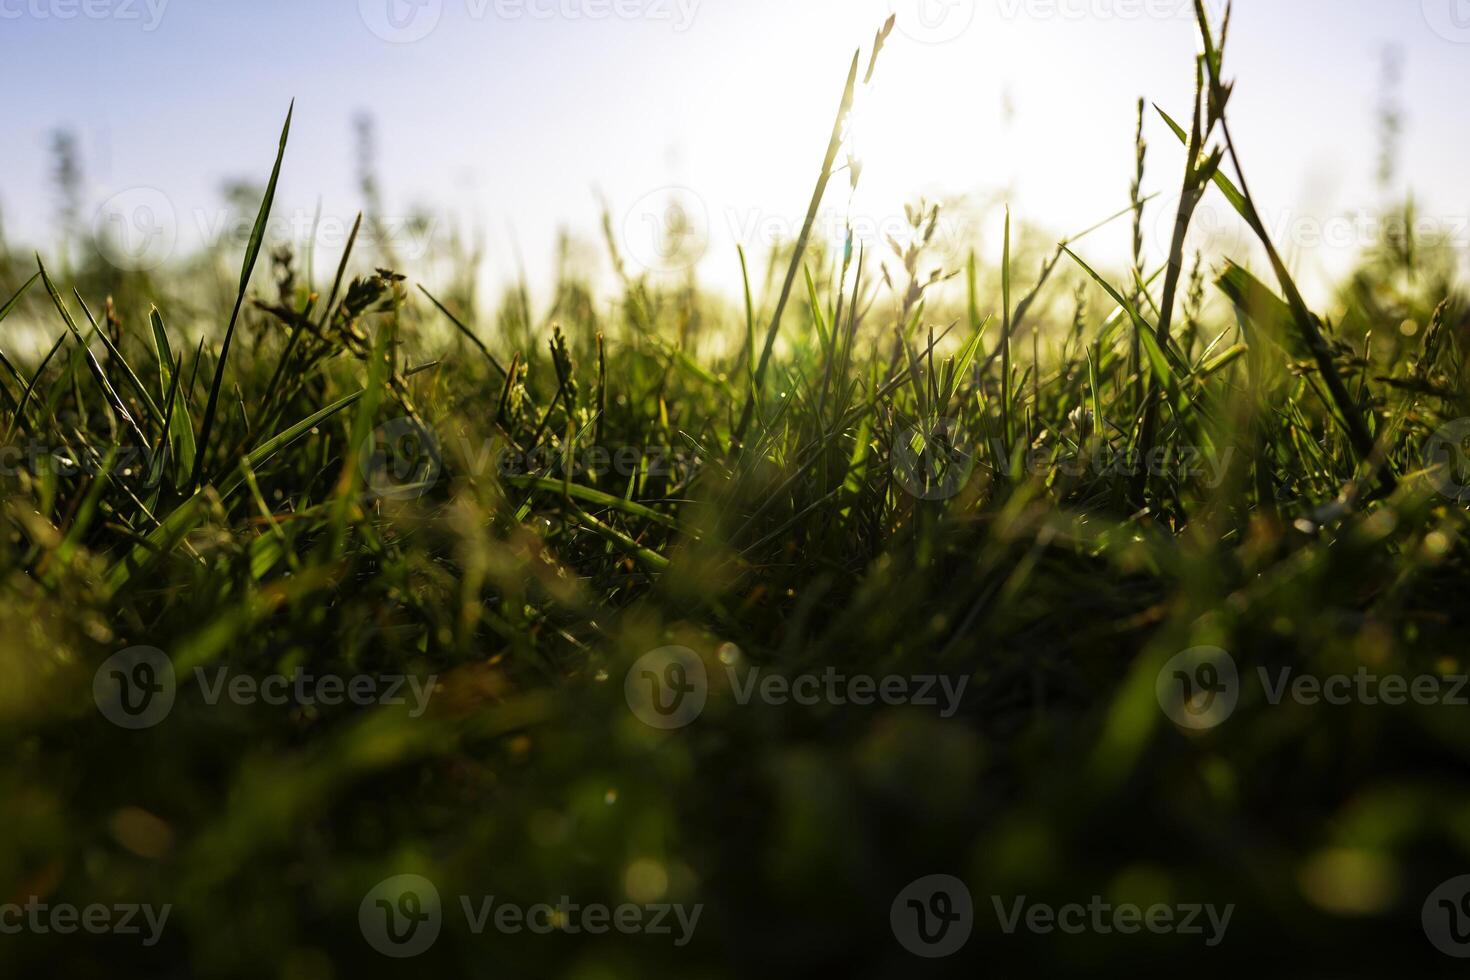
<point>835,144</point>
<point>184,517</point>
<point>11,303</point>
<point>749,325</point>
<point>181,431</point>
<point>100,376</point>
<point>116,358</point>
<point>252,252</point>
<point>1159,361</point>
<point>588,495</point>
<point>85,513</point>
<point>1222,180</point>
<point>465,331</point>
<point>35,379</point>
<point>1008,435</point>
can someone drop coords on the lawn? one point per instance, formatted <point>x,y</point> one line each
<point>354,624</point>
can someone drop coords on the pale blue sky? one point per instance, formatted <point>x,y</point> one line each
<point>508,114</point>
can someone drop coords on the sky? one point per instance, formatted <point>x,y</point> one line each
<point>512,119</point>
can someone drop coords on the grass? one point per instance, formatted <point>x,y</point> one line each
<point>899,478</point>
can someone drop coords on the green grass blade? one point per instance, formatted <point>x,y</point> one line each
<point>466,331</point>
<point>252,252</point>
<point>11,303</point>
<point>181,431</point>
